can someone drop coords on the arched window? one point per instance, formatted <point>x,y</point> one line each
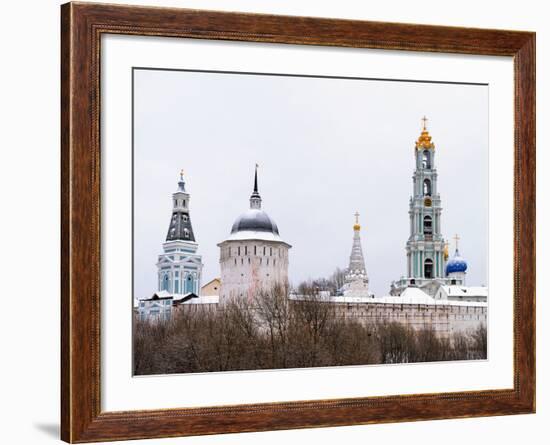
<point>189,284</point>
<point>428,268</point>
<point>427,225</point>
<point>185,233</point>
<point>427,187</point>
<point>166,283</point>
<point>426,159</point>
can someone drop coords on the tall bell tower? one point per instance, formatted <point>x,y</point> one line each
<point>426,251</point>
<point>425,246</point>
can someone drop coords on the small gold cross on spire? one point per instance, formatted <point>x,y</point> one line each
<point>356,217</point>
<point>181,174</point>
<point>456,238</point>
<point>424,120</point>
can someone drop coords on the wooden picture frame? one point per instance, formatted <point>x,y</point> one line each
<point>82,26</point>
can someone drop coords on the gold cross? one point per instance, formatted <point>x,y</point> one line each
<point>456,238</point>
<point>356,217</point>
<point>181,174</point>
<point>424,120</point>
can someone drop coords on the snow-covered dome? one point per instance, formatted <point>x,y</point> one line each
<point>255,223</point>
<point>456,264</point>
<point>255,220</point>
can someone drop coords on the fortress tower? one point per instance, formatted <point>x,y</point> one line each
<point>253,257</point>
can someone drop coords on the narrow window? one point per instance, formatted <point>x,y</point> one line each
<point>428,268</point>
<point>246,250</point>
<point>239,250</point>
<point>427,225</point>
<point>254,250</point>
<point>426,159</point>
<point>427,187</point>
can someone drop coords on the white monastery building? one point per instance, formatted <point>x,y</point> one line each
<point>254,257</point>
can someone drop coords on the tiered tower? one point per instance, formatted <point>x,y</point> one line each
<point>426,248</point>
<point>179,266</point>
<point>356,279</point>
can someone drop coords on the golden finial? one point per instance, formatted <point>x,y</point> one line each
<point>181,174</point>
<point>446,251</point>
<point>424,140</point>
<point>356,226</point>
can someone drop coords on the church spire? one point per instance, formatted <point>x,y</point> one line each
<point>180,222</point>
<point>356,260</point>
<point>255,198</point>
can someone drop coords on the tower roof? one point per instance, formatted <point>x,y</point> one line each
<point>180,223</point>
<point>356,259</point>
<point>255,223</point>
<point>424,141</point>
<point>457,263</point>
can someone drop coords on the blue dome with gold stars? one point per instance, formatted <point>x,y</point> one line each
<point>456,264</point>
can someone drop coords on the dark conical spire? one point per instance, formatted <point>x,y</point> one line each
<point>255,198</point>
<point>256,179</point>
<point>180,223</point>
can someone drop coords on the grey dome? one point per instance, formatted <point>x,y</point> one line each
<point>255,220</point>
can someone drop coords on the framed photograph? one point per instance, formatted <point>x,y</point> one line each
<point>274,222</point>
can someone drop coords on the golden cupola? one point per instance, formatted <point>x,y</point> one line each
<point>424,140</point>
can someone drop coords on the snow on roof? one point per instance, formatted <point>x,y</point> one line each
<point>247,235</point>
<point>162,295</point>
<point>411,295</point>
<point>205,299</point>
<point>465,291</point>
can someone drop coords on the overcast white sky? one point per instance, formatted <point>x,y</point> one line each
<point>326,149</point>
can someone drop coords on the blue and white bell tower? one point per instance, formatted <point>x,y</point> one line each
<point>426,248</point>
<point>179,266</point>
